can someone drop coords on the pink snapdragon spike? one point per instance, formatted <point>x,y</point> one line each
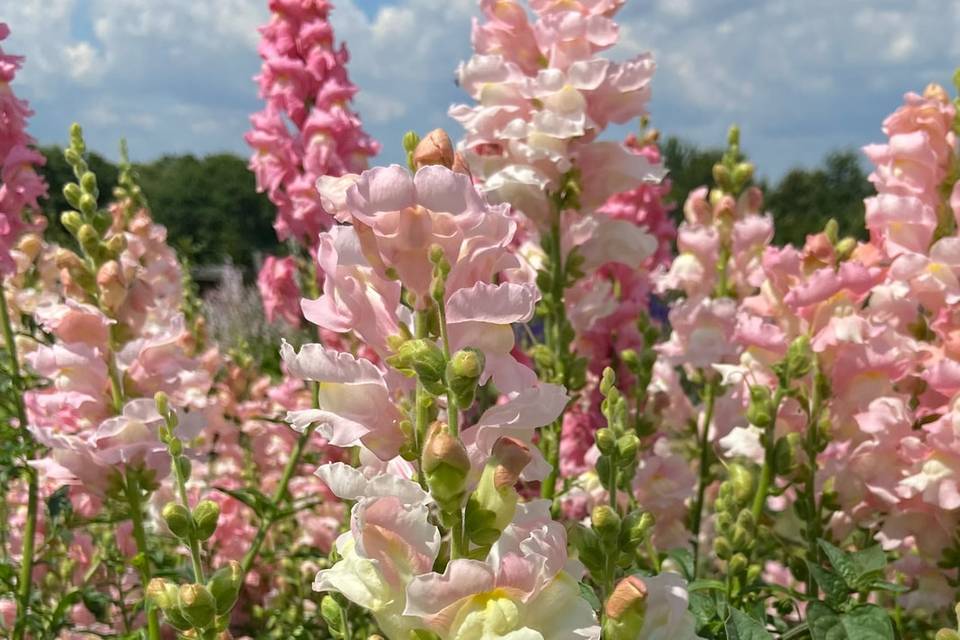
<point>20,184</point>
<point>543,96</point>
<point>307,128</point>
<point>395,219</point>
<point>279,290</point>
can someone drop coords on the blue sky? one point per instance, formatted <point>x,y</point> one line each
<point>801,78</point>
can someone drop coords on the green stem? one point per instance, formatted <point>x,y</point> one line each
<point>132,490</point>
<point>421,409</point>
<point>710,392</point>
<point>553,332</point>
<point>768,472</point>
<point>278,497</point>
<point>198,576</point>
<point>453,412</point>
<point>811,447</point>
<point>25,579</point>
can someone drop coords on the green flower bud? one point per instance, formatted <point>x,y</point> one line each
<point>72,221</point>
<point>162,402</point>
<point>832,231</point>
<point>332,612</point>
<point>742,174</point>
<point>627,446</point>
<point>72,157</point>
<point>631,359</point>
<point>947,634</point>
<point>88,181</point>
<point>625,610</point>
<point>225,585</point>
<point>722,547</point>
<point>424,359</point>
<point>606,522</point>
<point>89,239</point>
<point>760,411</point>
<point>88,205</point>
<point>205,517</point>
<point>186,467</point>
<point>608,381</point>
<point>635,528</point>
<point>178,519</point>
<point>162,594</point>
<point>197,605</point>
<point>845,248</point>
<point>606,441</point>
<point>445,465</point>
<point>463,374</point>
<point>72,192</point>
<point>740,479</point>
<point>738,563</point>
<point>410,141</point>
<point>721,176</point>
<point>799,357</point>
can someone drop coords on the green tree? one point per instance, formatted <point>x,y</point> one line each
<point>805,199</point>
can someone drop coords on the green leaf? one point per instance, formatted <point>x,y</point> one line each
<point>706,585</point>
<point>684,558</point>
<point>740,626</point>
<point>589,595</point>
<point>256,500</point>
<point>865,622</point>
<point>834,587</point>
<point>858,569</point>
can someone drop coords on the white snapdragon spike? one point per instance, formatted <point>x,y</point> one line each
<point>390,541</point>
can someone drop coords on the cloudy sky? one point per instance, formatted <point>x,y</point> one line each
<point>801,77</point>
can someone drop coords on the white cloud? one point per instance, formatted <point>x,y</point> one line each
<point>801,78</point>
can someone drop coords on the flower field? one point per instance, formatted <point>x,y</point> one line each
<point>512,391</point>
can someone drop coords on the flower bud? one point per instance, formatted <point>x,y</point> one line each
<point>742,174</point>
<point>72,221</point>
<point>331,612</point>
<point>30,245</point>
<point>625,609</point>
<point>463,374</point>
<point>606,441</point>
<point>741,480</point>
<point>162,402</point>
<point>721,176</point>
<point>88,205</point>
<point>511,457</point>
<point>205,517</point>
<point>88,181</point>
<point>845,248</point>
<point>116,244</point>
<point>627,446</point>
<point>72,192</point>
<point>225,585</point>
<point>110,283</point>
<point>197,605</point>
<point>605,522</point>
<point>636,526</point>
<point>421,358</point>
<point>445,465</point>
<point>89,240</point>
<point>410,141</point>
<point>178,519</point>
<point>832,230</point>
<point>162,594</point>
<point>799,357</point>
<point>434,148</point>
<point>947,634</point>
<point>760,411</point>
<point>737,564</point>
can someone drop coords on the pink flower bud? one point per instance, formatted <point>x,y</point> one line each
<point>434,148</point>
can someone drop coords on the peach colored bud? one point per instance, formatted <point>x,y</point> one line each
<point>935,92</point>
<point>443,448</point>
<point>110,283</point>
<point>513,456</point>
<point>630,593</point>
<point>66,259</point>
<point>30,245</point>
<point>819,247</point>
<point>434,148</point>
<point>752,199</point>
